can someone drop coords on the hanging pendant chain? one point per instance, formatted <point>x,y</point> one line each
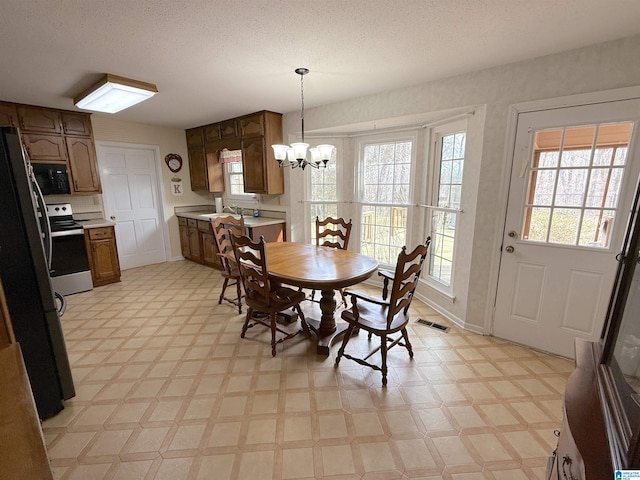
<point>302,98</point>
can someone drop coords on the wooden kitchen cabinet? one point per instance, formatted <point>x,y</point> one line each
<point>62,136</point>
<point>83,165</point>
<point>103,255</point>
<point>271,233</point>
<point>253,134</point>
<point>209,247</point>
<point>39,119</point>
<point>8,115</point>
<point>205,171</point>
<point>190,242</point>
<point>261,171</point>
<point>45,148</point>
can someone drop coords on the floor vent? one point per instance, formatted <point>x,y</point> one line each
<point>435,325</point>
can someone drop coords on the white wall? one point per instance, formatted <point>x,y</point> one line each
<point>596,68</point>
<point>170,140</point>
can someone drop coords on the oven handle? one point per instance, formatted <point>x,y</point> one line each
<point>48,242</point>
<point>67,233</point>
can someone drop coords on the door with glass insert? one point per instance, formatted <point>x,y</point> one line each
<point>571,186</point>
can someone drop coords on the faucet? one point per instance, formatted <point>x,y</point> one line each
<point>230,209</point>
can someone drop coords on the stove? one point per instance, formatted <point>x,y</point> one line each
<point>70,272</point>
<point>61,220</point>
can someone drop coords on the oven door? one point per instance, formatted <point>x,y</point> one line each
<point>69,253</point>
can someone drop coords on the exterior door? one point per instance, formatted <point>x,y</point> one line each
<point>573,172</point>
<point>131,199</point>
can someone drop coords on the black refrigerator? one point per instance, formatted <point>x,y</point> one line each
<point>27,286</point>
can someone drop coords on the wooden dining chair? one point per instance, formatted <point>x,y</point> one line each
<point>264,297</point>
<point>335,233</point>
<point>222,228</point>
<point>385,318</point>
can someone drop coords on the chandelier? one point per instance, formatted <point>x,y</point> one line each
<point>299,154</point>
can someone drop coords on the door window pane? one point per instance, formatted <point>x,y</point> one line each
<point>577,172</point>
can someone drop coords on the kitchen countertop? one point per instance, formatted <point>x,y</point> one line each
<point>96,223</point>
<point>248,221</point>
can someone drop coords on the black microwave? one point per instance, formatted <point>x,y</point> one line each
<point>52,178</point>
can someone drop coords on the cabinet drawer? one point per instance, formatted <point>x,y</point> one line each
<point>191,222</point>
<point>182,221</point>
<point>204,226</point>
<point>252,126</point>
<point>100,233</point>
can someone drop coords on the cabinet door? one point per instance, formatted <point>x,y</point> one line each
<point>229,128</point>
<point>8,115</point>
<point>194,137</point>
<point>35,119</point>
<point>184,240</point>
<point>76,124</point>
<point>271,233</point>
<point>252,125</point>
<point>209,250</point>
<point>253,166</point>
<point>215,171</point>
<point>83,165</point>
<point>198,169</point>
<point>105,261</point>
<point>212,133</point>
<point>195,252</point>
<point>45,148</point>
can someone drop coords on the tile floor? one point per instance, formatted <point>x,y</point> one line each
<point>167,389</point>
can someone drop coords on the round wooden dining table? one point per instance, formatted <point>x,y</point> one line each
<point>320,268</point>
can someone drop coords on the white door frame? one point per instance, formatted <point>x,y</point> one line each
<point>159,185</point>
<point>604,96</point>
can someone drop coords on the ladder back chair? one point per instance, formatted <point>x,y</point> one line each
<point>384,318</point>
<point>264,297</point>
<point>335,233</point>
<point>222,228</point>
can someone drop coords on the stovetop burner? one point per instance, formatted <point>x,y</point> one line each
<point>61,218</point>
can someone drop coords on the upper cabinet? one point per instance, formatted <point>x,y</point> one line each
<point>8,115</point>
<point>61,136</point>
<point>253,134</point>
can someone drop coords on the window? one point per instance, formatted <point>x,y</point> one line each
<point>449,158</point>
<point>232,161</point>
<point>574,184</point>
<point>323,193</point>
<point>385,182</point>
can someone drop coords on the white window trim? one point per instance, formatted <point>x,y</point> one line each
<point>227,181</point>
<point>435,135</point>
<point>410,134</point>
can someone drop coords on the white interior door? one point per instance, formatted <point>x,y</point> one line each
<point>129,183</point>
<point>571,188</point>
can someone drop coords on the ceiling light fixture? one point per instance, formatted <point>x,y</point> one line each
<point>112,94</point>
<point>295,155</point>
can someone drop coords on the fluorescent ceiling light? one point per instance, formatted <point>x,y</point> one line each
<point>112,94</point>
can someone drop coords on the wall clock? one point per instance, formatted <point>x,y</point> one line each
<point>174,162</point>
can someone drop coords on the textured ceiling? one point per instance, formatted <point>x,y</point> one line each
<point>214,59</point>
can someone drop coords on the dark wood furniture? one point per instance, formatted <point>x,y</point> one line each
<point>385,318</point>
<point>253,134</point>
<point>222,228</point>
<point>265,297</point>
<point>102,252</point>
<point>601,428</point>
<point>324,269</point>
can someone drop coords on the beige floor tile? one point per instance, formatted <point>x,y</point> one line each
<point>219,467</point>
<point>337,460</point>
<point>166,388</point>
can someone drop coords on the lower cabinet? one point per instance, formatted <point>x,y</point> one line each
<point>198,244</point>
<point>103,255</point>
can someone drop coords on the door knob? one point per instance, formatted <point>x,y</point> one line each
<point>113,217</point>
<point>513,234</point>
<point>510,249</point>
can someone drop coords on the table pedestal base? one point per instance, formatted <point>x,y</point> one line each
<point>326,339</point>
